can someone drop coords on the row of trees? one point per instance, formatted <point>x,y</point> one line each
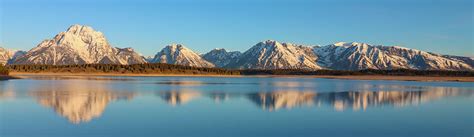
<point>3,70</point>
<point>154,68</point>
<point>160,68</point>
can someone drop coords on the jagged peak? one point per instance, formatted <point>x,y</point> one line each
<point>340,43</point>
<point>176,46</point>
<point>126,48</point>
<point>219,49</point>
<point>345,44</point>
<point>10,50</point>
<point>269,43</point>
<point>349,44</point>
<point>400,47</point>
<point>76,29</point>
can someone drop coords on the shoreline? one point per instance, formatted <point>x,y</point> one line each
<point>14,75</point>
<point>7,77</point>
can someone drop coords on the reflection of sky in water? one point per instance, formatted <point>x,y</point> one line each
<point>91,100</point>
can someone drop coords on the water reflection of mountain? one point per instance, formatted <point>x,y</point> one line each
<point>219,97</point>
<point>6,92</point>
<point>179,97</point>
<point>348,100</point>
<point>356,100</point>
<point>284,99</point>
<point>79,105</point>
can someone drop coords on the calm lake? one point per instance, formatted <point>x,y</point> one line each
<point>222,107</point>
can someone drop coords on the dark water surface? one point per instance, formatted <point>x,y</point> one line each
<point>221,107</point>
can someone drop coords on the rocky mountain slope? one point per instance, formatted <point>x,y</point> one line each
<point>79,45</point>
<point>7,56</point>
<point>275,55</point>
<point>180,55</point>
<point>220,57</point>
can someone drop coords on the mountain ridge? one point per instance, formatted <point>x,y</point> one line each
<point>84,45</point>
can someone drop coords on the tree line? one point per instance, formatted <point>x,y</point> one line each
<point>149,68</point>
<point>3,70</point>
<point>161,68</point>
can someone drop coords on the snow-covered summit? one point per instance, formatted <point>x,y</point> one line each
<point>78,45</point>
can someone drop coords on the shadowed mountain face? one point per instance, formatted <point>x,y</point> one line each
<point>221,57</point>
<point>8,56</point>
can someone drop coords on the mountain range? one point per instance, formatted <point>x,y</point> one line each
<point>84,45</point>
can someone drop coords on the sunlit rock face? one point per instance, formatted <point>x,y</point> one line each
<point>277,100</point>
<point>79,106</point>
<point>79,45</point>
<point>175,98</point>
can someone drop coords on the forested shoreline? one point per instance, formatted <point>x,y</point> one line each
<point>3,70</point>
<point>149,68</point>
<point>161,68</point>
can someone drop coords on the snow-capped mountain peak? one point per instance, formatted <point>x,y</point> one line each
<point>180,55</point>
<point>78,45</point>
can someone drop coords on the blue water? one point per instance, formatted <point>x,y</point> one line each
<point>227,107</point>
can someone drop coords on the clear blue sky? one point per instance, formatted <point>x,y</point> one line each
<point>441,26</point>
